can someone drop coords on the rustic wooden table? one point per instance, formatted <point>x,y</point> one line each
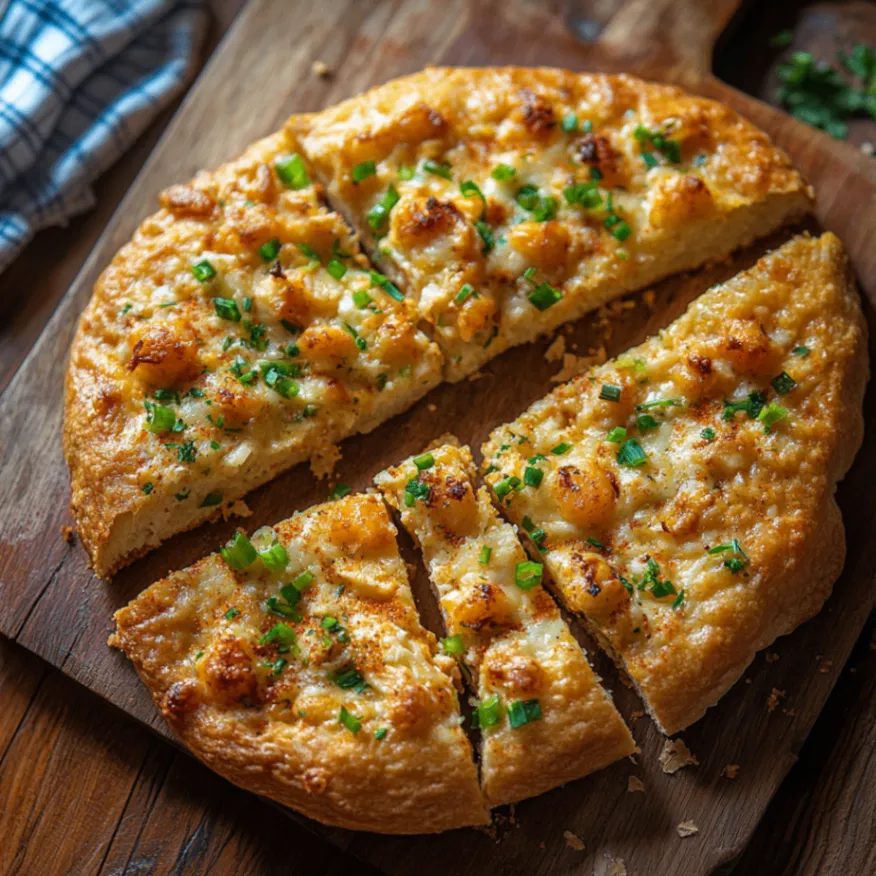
<point>84,790</point>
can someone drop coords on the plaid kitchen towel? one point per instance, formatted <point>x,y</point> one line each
<point>79,81</point>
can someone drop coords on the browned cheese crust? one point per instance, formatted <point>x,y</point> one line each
<point>506,201</point>
<point>708,527</point>
<point>237,334</point>
<point>253,678</point>
<point>544,717</point>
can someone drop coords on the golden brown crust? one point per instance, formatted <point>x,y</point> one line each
<point>514,642</point>
<point>666,181</point>
<point>726,535</point>
<point>265,712</point>
<point>152,335</point>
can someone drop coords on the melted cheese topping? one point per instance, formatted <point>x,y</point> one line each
<point>515,643</point>
<point>244,319</point>
<point>509,200</point>
<point>672,514</point>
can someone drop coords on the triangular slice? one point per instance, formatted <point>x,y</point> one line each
<point>304,674</point>
<point>239,333</point>
<point>544,716</point>
<point>506,201</point>
<point>685,498</point>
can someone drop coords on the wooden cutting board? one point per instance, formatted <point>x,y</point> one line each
<point>53,605</point>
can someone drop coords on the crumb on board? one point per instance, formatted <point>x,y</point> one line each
<point>649,297</point>
<point>675,756</point>
<point>556,349</point>
<point>639,713</point>
<point>431,407</point>
<point>774,697</point>
<point>825,666</point>
<point>573,841</point>
<point>634,783</point>
<point>323,462</point>
<point>608,865</point>
<point>868,148</point>
<point>771,657</point>
<point>687,828</point>
<point>477,375</point>
<point>572,366</point>
<point>320,69</point>
<point>731,771</point>
<point>67,534</point>
<point>236,509</point>
<point>791,713</point>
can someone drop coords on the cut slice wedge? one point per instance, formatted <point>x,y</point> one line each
<point>507,201</point>
<point>544,716</point>
<point>687,487</point>
<point>296,667</point>
<point>239,333</point>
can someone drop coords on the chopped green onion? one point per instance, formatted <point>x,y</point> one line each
<point>211,499</point>
<point>616,435</point>
<point>275,557</point>
<point>708,433</point>
<point>361,343</point>
<point>339,491</point>
<point>380,732</point>
<point>661,403</point>
<point>364,170</point>
<point>752,405</point>
<point>282,634</point>
<point>378,216</point>
<point>584,195</point>
<point>303,581</point>
<point>631,454</point>
<point>351,722</point>
<point>484,556</point>
<point>203,271</point>
<point>292,172</point>
<point>650,160</point>
<point>528,574</point>
<point>533,477</point>
<point>232,613</point>
<point>361,298</point>
<point>801,350</point>
<point>437,169</point>
<point>503,172</point>
<point>544,296</point>
<point>610,393</point>
<point>240,553</point>
<point>487,236</point>
<point>470,189</point>
<point>561,449</point>
<point>523,712</point>
<point>416,489</point>
<point>405,172</point>
<point>645,422</point>
<point>427,460</point>
<point>466,291</point>
<point>147,487</point>
<point>336,268</point>
<point>771,415</point>
<point>348,678</point>
<point>505,486</point>
<point>488,713</point>
<point>620,230</point>
<point>453,645</point>
<point>269,251</point>
<point>226,308</point>
<point>679,600</point>
<point>159,418</point>
<point>783,383</point>
<point>570,123</point>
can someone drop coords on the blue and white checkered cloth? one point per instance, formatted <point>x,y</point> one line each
<point>79,81</point>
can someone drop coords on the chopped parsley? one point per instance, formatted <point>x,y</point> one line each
<point>737,562</point>
<point>212,499</point>
<point>708,433</point>
<point>268,251</point>
<point>771,415</point>
<point>651,581</point>
<point>416,489</point>
<point>783,383</point>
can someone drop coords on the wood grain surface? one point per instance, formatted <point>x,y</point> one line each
<point>52,605</point>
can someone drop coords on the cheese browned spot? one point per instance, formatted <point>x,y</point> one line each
<point>554,722</point>
<point>311,681</point>
<point>692,521</point>
<point>237,334</point>
<point>547,192</point>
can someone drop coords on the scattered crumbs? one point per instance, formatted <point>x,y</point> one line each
<point>748,681</point>
<point>67,534</point>
<point>236,509</point>
<point>639,713</point>
<point>825,666</point>
<point>431,407</point>
<point>626,681</point>
<point>791,713</point>
<point>556,349</point>
<point>572,366</point>
<point>634,783</point>
<point>675,756</point>
<point>477,375</point>
<point>649,298</point>
<point>512,814</point>
<point>320,69</point>
<point>853,669</point>
<point>610,866</point>
<point>323,462</point>
<point>731,771</point>
<point>542,845</point>
<point>573,841</point>
<point>868,148</point>
<point>774,697</point>
<point>687,828</point>
<point>771,657</point>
